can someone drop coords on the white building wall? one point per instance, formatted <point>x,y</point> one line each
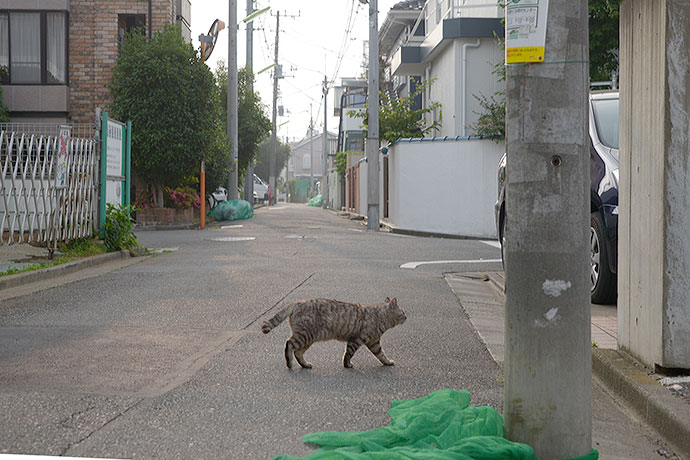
<point>445,187</point>
<point>443,70</point>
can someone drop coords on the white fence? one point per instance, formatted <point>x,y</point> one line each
<point>32,208</point>
<point>445,186</point>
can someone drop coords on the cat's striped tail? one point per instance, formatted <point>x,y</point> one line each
<point>268,325</point>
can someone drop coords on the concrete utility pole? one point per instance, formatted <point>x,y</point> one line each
<point>249,176</point>
<point>324,176</point>
<point>548,395</point>
<point>232,97</point>
<point>373,114</point>
<point>311,153</point>
<point>274,117</point>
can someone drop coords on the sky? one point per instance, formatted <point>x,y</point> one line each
<point>315,40</point>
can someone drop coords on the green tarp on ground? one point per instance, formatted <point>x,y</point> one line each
<point>439,426</point>
<point>316,200</point>
<point>232,210</point>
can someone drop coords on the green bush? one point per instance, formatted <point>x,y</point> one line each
<point>119,228</point>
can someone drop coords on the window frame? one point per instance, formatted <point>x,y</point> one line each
<point>43,21</point>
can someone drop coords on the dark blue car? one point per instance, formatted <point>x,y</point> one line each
<point>603,134</point>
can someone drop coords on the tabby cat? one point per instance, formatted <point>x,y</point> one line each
<point>316,320</point>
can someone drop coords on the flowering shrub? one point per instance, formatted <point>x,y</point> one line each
<point>144,201</point>
<point>182,198</point>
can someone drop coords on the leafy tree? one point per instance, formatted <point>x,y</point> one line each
<point>603,39</point>
<point>254,126</point>
<point>172,101</point>
<point>400,117</point>
<point>4,111</point>
<point>282,156</point>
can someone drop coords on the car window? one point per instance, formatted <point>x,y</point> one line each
<point>606,119</point>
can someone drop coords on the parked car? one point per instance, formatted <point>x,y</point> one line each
<point>603,153</point>
<point>260,189</point>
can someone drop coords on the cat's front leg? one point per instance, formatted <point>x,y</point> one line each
<point>352,346</point>
<point>376,349</point>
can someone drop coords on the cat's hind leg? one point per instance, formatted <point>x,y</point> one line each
<point>299,355</point>
<point>289,352</point>
<point>376,349</point>
<point>352,346</point>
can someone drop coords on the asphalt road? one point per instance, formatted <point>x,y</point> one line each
<point>165,359</point>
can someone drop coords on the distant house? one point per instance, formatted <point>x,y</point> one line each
<point>306,164</point>
<point>56,56</point>
<point>452,42</point>
<point>446,183</point>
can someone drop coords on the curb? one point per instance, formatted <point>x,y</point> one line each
<point>654,403</point>
<point>33,276</point>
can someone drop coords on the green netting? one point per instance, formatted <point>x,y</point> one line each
<point>232,210</point>
<point>316,200</point>
<point>439,426</point>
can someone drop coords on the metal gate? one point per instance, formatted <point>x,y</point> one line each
<point>48,182</point>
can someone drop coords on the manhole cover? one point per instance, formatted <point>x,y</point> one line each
<point>234,238</point>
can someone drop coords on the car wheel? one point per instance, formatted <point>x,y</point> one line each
<point>603,281</point>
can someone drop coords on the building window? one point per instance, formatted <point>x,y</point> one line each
<point>356,97</point>
<point>128,24</point>
<point>306,161</point>
<point>354,141</point>
<point>33,47</point>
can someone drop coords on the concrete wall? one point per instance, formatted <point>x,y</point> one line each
<point>446,187</point>
<point>654,209</point>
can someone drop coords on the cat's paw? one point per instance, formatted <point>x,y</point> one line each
<point>347,365</point>
<point>389,363</point>
<point>306,365</point>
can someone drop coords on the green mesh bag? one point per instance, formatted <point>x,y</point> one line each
<point>317,201</point>
<point>232,210</point>
<point>439,426</point>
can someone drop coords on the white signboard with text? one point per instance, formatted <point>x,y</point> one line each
<point>526,30</point>
<point>115,172</point>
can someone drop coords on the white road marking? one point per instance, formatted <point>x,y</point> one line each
<point>432,262</point>
<point>234,238</point>
<point>275,208</point>
<point>232,226</point>
<point>356,230</point>
<point>493,243</point>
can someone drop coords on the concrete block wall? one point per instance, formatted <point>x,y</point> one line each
<point>654,208</point>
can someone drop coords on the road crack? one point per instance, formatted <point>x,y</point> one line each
<point>92,432</point>
<point>279,301</point>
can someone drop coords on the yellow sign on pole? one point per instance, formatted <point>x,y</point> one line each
<point>526,30</point>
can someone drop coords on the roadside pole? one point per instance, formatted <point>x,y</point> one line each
<point>548,395</point>
<point>249,174</point>
<point>373,114</point>
<point>324,174</point>
<point>274,118</point>
<point>232,97</point>
<point>208,42</point>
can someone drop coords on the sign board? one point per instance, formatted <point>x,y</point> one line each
<point>116,141</point>
<point>115,173</point>
<point>526,30</point>
<point>64,134</point>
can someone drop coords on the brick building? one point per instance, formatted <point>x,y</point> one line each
<point>56,56</point>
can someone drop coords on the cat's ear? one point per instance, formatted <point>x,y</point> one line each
<point>388,300</point>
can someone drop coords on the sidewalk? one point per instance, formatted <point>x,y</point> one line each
<point>482,297</point>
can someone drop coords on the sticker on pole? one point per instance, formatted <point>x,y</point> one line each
<point>526,30</point>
